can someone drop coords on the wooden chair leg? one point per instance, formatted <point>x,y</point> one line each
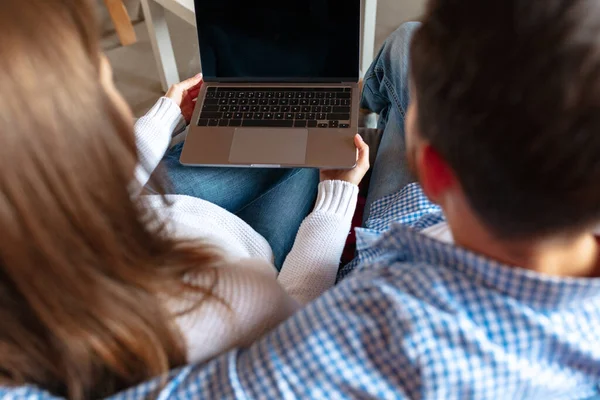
<point>122,22</point>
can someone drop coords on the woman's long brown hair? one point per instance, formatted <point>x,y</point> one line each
<point>85,267</point>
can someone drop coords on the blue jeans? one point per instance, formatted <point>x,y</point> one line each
<point>272,201</point>
<point>386,92</point>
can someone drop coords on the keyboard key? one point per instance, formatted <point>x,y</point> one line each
<point>223,102</point>
<point>323,116</point>
<point>248,115</point>
<point>300,116</point>
<point>230,95</point>
<point>211,115</point>
<point>237,116</point>
<point>311,116</point>
<point>233,101</point>
<point>203,122</point>
<point>278,115</point>
<point>300,124</point>
<point>212,89</point>
<point>251,95</point>
<point>241,95</point>
<point>296,109</point>
<point>224,108</point>
<point>320,95</point>
<point>344,102</point>
<point>331,95</point>
<point>223,122</point>
<point>341,110</point>
<point>289,95</point>
<point>255,108</point>
<point>324,102</point>
<point>314,102</point>
<point>312,124</point>
<point>213,122</point>
<point>243,102</point>
<point>279,95</point>
<point>228,115</point>
<point>335,102</point>
<point>300,95</point>
<point>259,115</point>
<point>289,116</point>
<point>334,124</point>
<point>294,102</point>
<point>316,109</point>
<point>284,102</point>
<point>211,102</point>
<point>269,95</point>
<point>245,108</point>
<point>323,126</point>
<point>265,109</point>
<point>253,102</point>
<point>210,108</point>
<point>306,109</point>
<point>273,123</point>
<point>268,115</point>
<point>220,95</point>
<point>310,95</point>
<point>235,122</point>
<point>304,102</point>
<point>327,109</point>
<point>260,95</point>
<point>339,117</point>
<point>263,102</point>
<point>285,109</point>
<point>234,108</point>
<point>273,102</point>
<point>275,109</point>
<point>344,95</point>
<point>344,126</point>
<point>211,95</point>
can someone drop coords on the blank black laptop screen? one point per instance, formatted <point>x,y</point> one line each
<point>279,40</point>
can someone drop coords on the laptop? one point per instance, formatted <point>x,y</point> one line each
<point>281,84</point>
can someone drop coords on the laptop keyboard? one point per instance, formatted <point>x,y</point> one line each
<point>277,107</point>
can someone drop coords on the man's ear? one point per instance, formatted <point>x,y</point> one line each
<point>435,175</point>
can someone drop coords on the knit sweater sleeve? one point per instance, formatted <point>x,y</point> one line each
<point>247,303</point>
<point>153,134</point>
<point>311,266</point>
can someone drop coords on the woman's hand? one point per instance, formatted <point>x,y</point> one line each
<point>356,174</point>
<point>185,94</point>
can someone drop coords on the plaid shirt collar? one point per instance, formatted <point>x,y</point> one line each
<point>405,244</point>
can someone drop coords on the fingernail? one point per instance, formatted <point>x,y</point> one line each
<point>198,75</point>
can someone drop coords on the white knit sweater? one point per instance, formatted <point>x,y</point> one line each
<point>257,298</point>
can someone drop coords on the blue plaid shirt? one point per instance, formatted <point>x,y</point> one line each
<point>419,319</point>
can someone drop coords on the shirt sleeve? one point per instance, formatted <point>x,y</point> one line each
<point>346,345</point>
<point>153,134</point>
<point>311,266</point>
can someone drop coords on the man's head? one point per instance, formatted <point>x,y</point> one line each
<point>506,112</point>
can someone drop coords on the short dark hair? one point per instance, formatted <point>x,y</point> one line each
<point>509,95</point>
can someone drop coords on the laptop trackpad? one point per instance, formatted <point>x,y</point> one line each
<point>269,146</point>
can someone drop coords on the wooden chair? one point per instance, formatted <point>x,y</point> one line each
<point>120,17</point>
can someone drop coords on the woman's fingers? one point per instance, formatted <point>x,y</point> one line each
<point>191,83</point>
<point>363,152</point>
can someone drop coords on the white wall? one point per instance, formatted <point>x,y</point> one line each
<point>391,13</point>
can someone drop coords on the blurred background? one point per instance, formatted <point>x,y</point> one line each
<point>135,70</point>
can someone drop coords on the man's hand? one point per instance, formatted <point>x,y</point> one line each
<point>185,94</point>
<point>355,175</point>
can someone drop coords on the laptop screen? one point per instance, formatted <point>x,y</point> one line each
<point>279,40</point>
